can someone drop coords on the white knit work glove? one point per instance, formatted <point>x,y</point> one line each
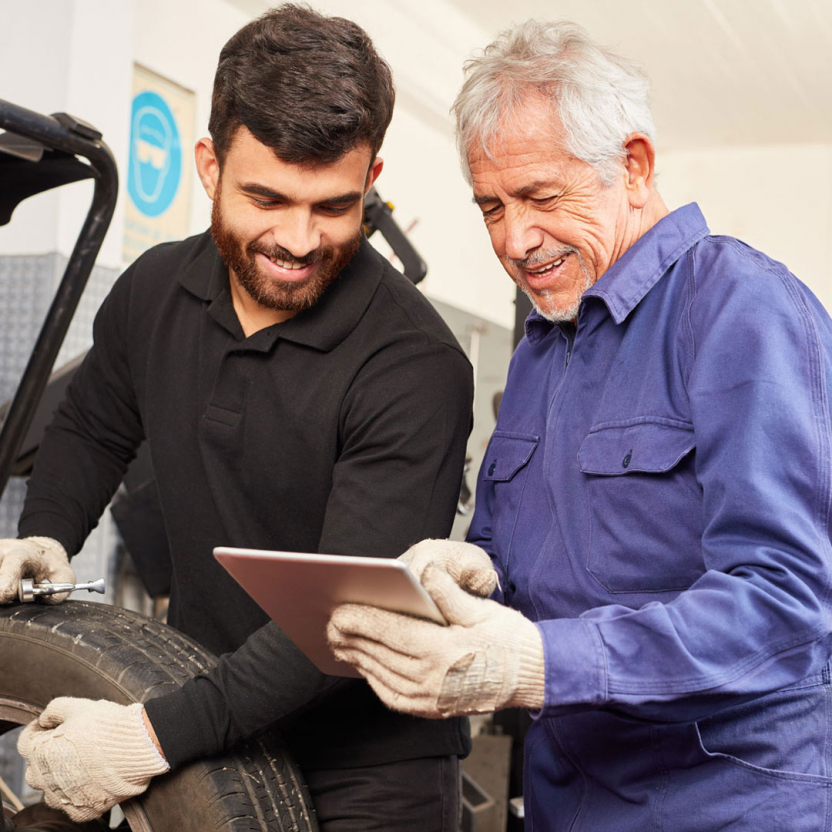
<point>466,563</point>
<point>88,755</point>
<point>489,657</point>
<point>39,558</point>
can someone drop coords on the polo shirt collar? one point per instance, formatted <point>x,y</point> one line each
<point>199,274</point>
<point>342,305</point>
<point>322,327</point>
<point>638,270</point>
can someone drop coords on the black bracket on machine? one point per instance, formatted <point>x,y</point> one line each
<point>378,216</point>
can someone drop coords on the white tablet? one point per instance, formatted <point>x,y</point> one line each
<point>300,591</point>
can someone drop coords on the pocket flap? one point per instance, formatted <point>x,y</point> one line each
<point>655,447</point>
<point>507,453</point>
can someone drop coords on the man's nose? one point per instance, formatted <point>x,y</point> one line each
<point>298,233</point>
<point>522,235</point>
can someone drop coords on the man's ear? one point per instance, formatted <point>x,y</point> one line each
<point>640,162</point>
<point>207,166</point>
<point>373,172</point>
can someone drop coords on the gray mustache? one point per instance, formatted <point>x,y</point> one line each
<point>542,257</point>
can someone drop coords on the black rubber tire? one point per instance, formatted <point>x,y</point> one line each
<point>103,652</point>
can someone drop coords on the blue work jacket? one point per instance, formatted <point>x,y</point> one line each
<point>656,496</point>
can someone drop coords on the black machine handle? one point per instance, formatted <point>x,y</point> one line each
<point>378,216</point>
<point>76,138</point>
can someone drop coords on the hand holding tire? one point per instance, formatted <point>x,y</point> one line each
<point>40,558</point>
<point>94,651</point>
<point>87,755</point>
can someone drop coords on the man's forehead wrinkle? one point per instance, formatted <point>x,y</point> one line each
<point>519,172</point>
<point>537,185</point>
<point>514,153</point>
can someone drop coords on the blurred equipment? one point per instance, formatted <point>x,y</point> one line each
<point>40,818</point>
<point>465,503</point>
<point>485,779</point>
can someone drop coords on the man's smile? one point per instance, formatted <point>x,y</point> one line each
<point>540,277</point>
<point>287,270</point>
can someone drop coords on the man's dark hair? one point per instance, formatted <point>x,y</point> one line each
<point>309,87</point>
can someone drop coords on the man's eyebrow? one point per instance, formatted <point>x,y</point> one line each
<point>270,193</point>
<point>352,196</point>
<point>261,190</point>
<point>532,187</point>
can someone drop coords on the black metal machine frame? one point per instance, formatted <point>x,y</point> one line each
<point>38,153</point>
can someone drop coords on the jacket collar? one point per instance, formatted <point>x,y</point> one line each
<point>322,327</point>
<point>638,270</point>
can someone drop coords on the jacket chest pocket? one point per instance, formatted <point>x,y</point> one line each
<point>505,470</point>
<point>645,506</point>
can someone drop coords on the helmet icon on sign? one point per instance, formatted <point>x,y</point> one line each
<point>155,166</point>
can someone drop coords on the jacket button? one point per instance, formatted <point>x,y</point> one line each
<point>492,468</point>
<point>626,461</point>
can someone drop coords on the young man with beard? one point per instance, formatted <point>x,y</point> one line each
<point>297,393</point>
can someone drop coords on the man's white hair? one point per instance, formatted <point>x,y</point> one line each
<point>600,97</point>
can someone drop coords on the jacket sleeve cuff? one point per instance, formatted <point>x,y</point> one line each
<point>576,674</point>
<point>51,526</point>
<point>182,725</point>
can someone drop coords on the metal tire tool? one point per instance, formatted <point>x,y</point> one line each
<point>29,590</point>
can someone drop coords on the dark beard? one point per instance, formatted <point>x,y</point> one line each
<point>264,289</point>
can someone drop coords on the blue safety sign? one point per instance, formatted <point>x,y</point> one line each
<point>155,165</point>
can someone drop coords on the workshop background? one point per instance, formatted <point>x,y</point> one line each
<point>742,93</point>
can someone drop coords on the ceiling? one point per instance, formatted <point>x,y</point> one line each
<point>733,72</point>
<point>722,71</point>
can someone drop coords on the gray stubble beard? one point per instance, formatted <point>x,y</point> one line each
<point>571,312</point>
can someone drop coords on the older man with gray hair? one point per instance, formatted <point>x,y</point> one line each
<point>654,506</point>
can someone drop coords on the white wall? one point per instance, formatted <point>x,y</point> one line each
<point>777,199</point>
<point>67,56</point>
<point>35,226</point>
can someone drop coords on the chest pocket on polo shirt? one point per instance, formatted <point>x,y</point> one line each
<point>645,506</point>
<point>506,468</point>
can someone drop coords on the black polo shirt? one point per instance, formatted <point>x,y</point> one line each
<point>341,430</point>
